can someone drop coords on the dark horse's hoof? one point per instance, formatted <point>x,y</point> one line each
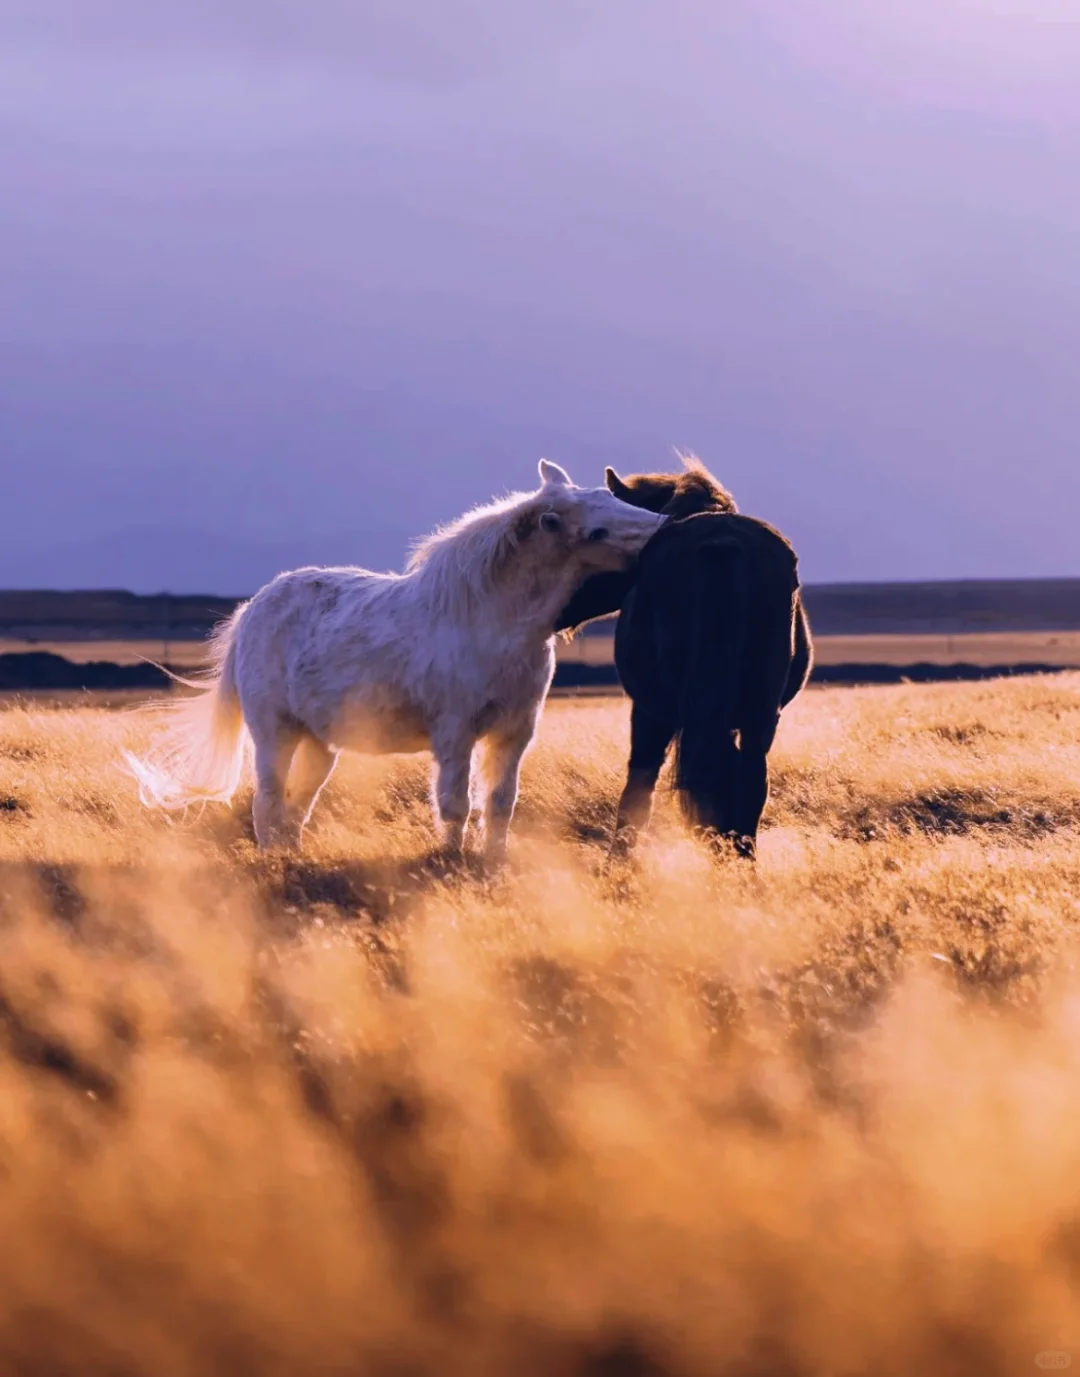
<point>722,844</point>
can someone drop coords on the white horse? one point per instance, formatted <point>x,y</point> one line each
<point>458,649</point>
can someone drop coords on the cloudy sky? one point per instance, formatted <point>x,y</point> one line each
<point>290,280</point>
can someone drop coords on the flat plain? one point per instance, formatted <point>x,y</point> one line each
<point>992,649</point>
<point>359,1111</point>
<point>987,648</point>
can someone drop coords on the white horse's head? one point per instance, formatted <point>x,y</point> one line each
<point>532,548</point>
<point>588,527</point>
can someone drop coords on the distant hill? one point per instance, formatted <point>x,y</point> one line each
<point>947,608</point>
<point>109,614</point>
<point>866,633</point>
<point>906,609</point>
<point>837,609</point>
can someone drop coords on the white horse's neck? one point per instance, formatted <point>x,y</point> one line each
<point>529,608</point>
<point>522,610</point>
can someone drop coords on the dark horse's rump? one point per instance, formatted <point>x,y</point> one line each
<point>712,642</point>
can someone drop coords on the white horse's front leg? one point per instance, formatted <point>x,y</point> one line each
<point>453,764</point>
<point>505,748</point>
<point>312,766</point>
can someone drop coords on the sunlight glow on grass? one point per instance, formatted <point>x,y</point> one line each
<point>352,1112</point>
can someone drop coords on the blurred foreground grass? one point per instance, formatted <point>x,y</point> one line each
<point>348,1112</point>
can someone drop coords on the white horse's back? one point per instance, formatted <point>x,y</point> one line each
<point>336,650</point>
<point>456,649</point>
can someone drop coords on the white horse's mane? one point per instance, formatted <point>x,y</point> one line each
<point>462,559</point>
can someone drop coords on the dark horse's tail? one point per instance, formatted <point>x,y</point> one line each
<point>705,746</point>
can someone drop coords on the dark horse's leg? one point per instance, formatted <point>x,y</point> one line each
<point>713,807</point>
<point>752,786</point>
<point>649,742</point>
<point>777,656</point>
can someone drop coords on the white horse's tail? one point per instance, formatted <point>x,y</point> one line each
<point>200,755</point>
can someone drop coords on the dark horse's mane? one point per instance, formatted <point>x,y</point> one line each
<point>674,495</point>
<point>712,642</point>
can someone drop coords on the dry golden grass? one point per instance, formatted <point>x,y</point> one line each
<point>350,1113</point>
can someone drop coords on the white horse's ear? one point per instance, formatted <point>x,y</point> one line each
<point>553,476</point>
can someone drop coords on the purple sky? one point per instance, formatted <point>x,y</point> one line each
<point>288,281</point>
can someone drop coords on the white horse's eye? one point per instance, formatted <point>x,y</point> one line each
<point>550,521</point>
<point>599,533</point>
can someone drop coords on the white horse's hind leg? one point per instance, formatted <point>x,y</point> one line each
<point>273,755</point>
<point>502,767</point>
<point>312,766</point>
<point>453,764</point>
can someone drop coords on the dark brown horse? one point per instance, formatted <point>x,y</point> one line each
<point>712,642</point>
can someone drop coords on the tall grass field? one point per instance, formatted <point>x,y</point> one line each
<point>357,1112</point>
